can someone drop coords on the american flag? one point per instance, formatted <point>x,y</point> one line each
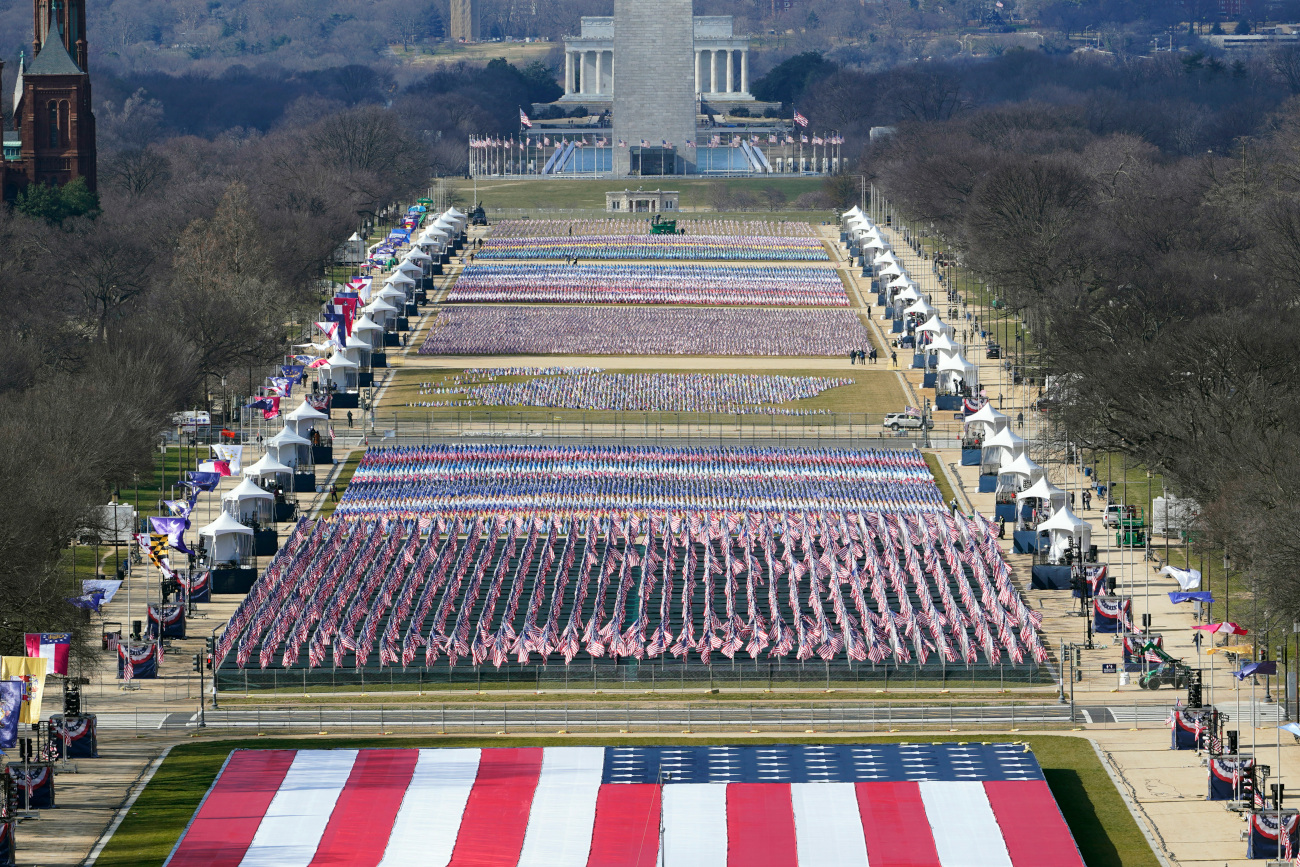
<point>800,119</point>
<point>524,121</point>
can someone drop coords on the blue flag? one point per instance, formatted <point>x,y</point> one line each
<point>204,481</point>
<point>11,706</point>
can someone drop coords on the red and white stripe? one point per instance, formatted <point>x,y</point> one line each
<point>543,807</point>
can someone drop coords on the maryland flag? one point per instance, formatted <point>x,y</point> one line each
<point>155,546</point>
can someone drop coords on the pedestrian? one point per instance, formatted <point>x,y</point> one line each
<point>1002,528</point>
<point>1020,419</point>
<point>1071,501</point>
<point>853,356</point>
<point>334,492</point>
<point>893,358</point>
<point>999,400</point>
<point>349,418</point>
<point>1087,499</point>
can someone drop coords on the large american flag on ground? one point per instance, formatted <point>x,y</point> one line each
<point>933,805</point>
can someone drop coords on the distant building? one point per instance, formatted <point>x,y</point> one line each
<point>641,201</point>
<point>55,126</point>
<point>464,20</point>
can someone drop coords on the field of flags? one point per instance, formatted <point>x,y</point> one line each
<point>651,284</point>
<point>628,226</point>
<point>632,330</point>
<point>481,554</point>
<point>663,247</point>
<point>735,393</point>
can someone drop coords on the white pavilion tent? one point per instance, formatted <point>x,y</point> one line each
<point>267,467</point>
<point>1064,528</point>
<point>1051,497</point>
<point>303,418</point>
<point>339,370</point>
<point>249,503</point>
<point>231,542</point>
<point>290,449</point>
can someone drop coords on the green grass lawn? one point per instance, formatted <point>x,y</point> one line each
<point>345,475</point>
<point>940,477</point>
<point>1102,825</point>
<point>534,194</point>
<point>874,392</point>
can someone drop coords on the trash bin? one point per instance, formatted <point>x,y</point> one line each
<point>1123,678</point>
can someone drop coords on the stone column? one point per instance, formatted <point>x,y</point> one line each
<point>585,84</point>
<point>744,70</point>
<point>568,73</point>
<point>699,70</point>
<point>731,84</point>
<point>600,70</point>
<point>713,72</point>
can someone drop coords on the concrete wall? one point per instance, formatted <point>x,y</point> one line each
<point>654,65</point>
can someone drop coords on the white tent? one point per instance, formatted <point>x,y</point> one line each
<point>935,325</point>
<point>942,344</point>
<point>367,330</point>
<point>952,368</point>
<point>1049,494</point>
<point>907,295</point>
<point>290,449</point>
<point>381,312</point>
<point>885,257</point>
<point>339,370</point>
<point>920,307</point>
<point>852,213</point>
<point>418,256</point>
<point>989,418</point>
<point>398,278</point>
<point>267,466</point>
<point>304,417</point>
<point>356,349</point>
<point>903,282</point>
<point>394,297</point>
<point>1063,528</point>
<point>873,241</point>
<point>1025,469</point>
<point>1018,473</point>
<point>248,502</point>
<point>1002,444</point>
<point>231,541</point>
<point>891,269</point>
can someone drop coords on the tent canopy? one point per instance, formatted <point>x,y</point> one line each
<point>365,323</point>
<point>1006,438</point>
<point>943,343</point>
<point>397,278</point>
<point>955,362</point>
<point>247,490</point>
<point>1064,521</point>
<point>338,359</point>
<point>305,411</point>
<point>1023,466</point>
<point>286,437</point>
<point>224,526</point>
<point>986,414</point>
<point>1042,490</point>
<point>267,466</point>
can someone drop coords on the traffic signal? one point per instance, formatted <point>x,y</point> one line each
<point>72,701</point>
<point>1194,698</point>
<point>198,663</point>
<point>1248,786</point>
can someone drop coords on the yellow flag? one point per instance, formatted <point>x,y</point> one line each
<point>32,671</point>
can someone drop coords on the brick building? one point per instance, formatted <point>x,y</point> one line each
<point>51,139</point>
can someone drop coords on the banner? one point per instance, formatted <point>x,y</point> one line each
<point>11,708</point>
<point>32,673</point>
<point>52,646</point>
<point>233,455</point>
<point>173,530</point>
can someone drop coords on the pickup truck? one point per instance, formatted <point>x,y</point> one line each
<point>906,420</point>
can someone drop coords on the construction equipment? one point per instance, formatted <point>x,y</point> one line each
<point>1169,670</point>
<point>660,226</point>
<point>1131,527</point>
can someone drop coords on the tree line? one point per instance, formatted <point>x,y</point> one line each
<point>194,262</point>
<point>1149,241</point>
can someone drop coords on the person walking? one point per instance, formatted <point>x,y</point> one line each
<point>349,419</point>
<point>1020,419</point>
<point>893,359</point>
<point>853,356</point>
<point>334,492</point>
